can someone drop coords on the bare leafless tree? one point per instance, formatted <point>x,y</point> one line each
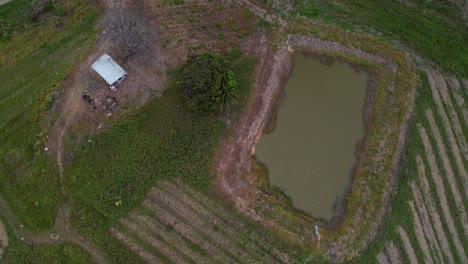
<point>128,28</point>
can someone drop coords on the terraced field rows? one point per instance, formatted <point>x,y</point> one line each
<point>440,222</point>
<point>176,224</point>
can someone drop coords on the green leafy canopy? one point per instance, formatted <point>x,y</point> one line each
<point>208,83</point>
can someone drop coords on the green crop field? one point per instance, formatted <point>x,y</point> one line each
<point>434,29</point>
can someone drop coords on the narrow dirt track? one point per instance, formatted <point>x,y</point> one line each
<point>439,230</point>
<point>420,234</point>
<point>408,247</point>
<point>439,184</point>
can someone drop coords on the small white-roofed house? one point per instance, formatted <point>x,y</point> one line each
<point>109,70</point>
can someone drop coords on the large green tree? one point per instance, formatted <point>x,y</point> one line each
<point>207,82</point>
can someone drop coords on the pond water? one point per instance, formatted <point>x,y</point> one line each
<point>311,152</point>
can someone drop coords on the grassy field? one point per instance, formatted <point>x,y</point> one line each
<point>35,55</point>
<point>32,66</point>
<point>19,253</point>
<point>162,141</point>
<point>434,29</point>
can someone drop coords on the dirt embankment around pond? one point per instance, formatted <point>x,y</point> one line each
<point>238,176</point>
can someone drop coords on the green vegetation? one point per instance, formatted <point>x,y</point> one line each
<point>164,140</point>
<point>32,63</point>
<point>434,29</point>
<point>207,82</point>
<point>95,227</point>
<point>401,214</point>
<point>19,253</point>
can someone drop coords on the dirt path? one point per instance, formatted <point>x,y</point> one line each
<point>439,230</point>
<point>441,193</point>
<point>408,247</point>
<point>420,234</point>
<point>2,2</point>
<point>450,175</point>
<point>59,234</point>
<point>426,224</point>
<point>393,253</point>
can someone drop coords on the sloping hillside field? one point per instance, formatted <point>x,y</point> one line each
<point>245,131</point>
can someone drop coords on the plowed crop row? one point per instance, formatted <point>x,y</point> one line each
<point>439,224</point>
<point>180,225</point>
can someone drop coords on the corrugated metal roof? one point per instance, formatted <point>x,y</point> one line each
<point>108,69</point>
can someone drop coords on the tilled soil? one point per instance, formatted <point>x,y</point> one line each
<point>139,250</point>
<point>408,247</point>
<point>449,173</point>
<point>427,225</point>
<point>458,152</point>
<point>393,253</point>
<point>185,229</point>
<point>452,114</point>
<point>420,234</point>
<point>436,220</point>
<point>439,184</point>
<point>382,259</point>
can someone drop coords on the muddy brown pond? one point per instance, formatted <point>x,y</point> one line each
<point>311,152</point>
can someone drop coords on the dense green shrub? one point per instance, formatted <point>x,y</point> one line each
<point>207,82</point>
